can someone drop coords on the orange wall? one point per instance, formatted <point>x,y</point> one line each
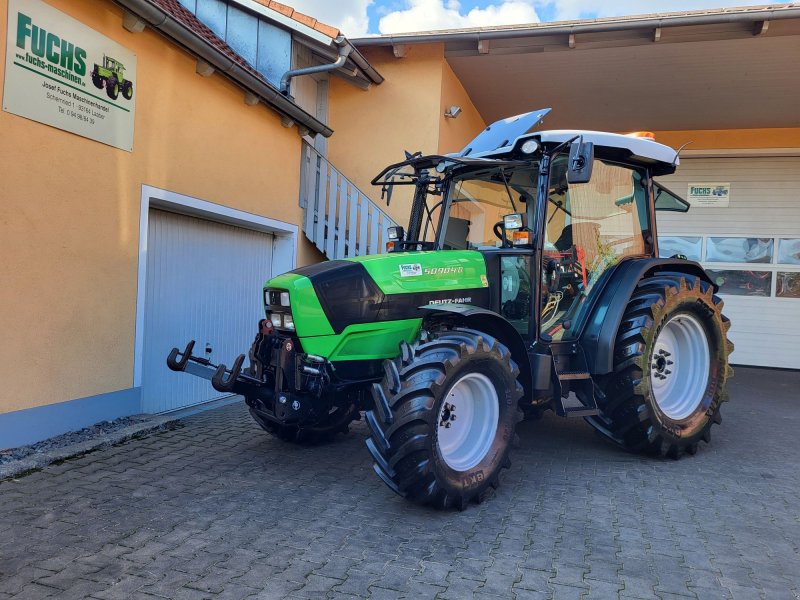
<point>70,211</point>
<point>405,112</point>
<point>711,139</point>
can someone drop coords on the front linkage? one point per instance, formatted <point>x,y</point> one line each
<point>290,393</point>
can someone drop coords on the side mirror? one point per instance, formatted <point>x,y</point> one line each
<point>581,161</point>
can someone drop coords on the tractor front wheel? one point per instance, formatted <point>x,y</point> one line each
<point>323,431</point>
<point>444,418</point>
<point>671,367</point>
<point>97,80</point>
<point>112,87</point>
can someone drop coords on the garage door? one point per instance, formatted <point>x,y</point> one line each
<point>751,248</point>
<point>204,282</point>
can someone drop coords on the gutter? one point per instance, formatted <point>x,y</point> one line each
<point>344,52</point>
<point>175,30</point>
<point>750,16</point>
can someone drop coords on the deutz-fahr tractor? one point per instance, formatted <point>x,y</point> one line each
<point>528,279</point>
<point>110,75</point>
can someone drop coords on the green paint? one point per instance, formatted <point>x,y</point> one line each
<point>438,271</point>
<point>395,273</point>
<point>366,341</point>
<point>309,318</point>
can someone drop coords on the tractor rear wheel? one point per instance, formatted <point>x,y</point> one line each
<point>112,87</point>
<point>670,368</point>
<point>444,418</point>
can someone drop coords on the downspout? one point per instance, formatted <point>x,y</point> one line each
<point>344,52</point>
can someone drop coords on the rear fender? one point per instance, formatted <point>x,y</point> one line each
<point>493,324</point>
<point>599,335</point>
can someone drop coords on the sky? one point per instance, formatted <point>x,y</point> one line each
<point>368,17</point>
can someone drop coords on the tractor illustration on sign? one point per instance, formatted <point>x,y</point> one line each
<point>529,279</point>
<point>111,76</point>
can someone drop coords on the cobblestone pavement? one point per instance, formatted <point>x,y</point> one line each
<point>218,509</point>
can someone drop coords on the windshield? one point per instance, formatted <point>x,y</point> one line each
<point>479,200</point>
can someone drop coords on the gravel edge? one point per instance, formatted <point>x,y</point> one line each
<point>40,460</point>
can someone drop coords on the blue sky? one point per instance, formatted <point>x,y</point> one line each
<point>369,17</point>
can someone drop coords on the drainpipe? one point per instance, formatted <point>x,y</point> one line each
<point>344,52</point>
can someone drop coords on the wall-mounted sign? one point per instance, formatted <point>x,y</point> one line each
<point>62,73</point>
<point>704,195</point>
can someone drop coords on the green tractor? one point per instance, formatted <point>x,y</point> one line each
<point>528,279</point>
<point>110,76</point>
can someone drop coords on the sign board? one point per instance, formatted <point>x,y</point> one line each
<point>705,195</point>
<point>62,73</point>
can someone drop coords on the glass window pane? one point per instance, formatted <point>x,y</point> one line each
<point>736,282</point>
<point>515,299</point>
<point>788,284</point>
<point>789,251</point>
<point>744,250</point>
<point>669,201</point>
<point>690,247</point>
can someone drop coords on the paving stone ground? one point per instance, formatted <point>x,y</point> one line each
<point>218,509</point>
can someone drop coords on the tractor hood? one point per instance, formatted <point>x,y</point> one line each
<point>328,297</point>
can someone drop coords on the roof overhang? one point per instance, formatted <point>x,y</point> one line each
<point>720,69</point>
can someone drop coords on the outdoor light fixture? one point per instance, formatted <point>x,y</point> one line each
<point>452,112</point>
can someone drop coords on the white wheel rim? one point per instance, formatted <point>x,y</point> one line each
<point>679,366</point>
<point>468,421</point>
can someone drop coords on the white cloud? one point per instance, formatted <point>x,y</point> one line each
<point>576,9</point>
<point>427,15</point>
<point>350,16</point>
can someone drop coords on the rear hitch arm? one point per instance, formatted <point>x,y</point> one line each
<point>222,383</point>
<point>180,364</point>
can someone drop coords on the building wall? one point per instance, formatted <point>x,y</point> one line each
<point>715,139</point>
<point>405,112</point>
<point>70,216</point>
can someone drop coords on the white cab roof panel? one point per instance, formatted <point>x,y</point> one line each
<point>641,148</point>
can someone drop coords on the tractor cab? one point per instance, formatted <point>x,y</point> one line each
<point>113,65</point>
<point>552,212</point>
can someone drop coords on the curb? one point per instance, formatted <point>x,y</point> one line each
<point>38,461</point>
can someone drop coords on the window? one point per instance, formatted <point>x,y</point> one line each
<point>590,228</point>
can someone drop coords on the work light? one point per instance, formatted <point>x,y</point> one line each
<point>284,298</point>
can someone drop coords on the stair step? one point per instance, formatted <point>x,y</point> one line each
<point>571,375</point>
<point>580,411</point>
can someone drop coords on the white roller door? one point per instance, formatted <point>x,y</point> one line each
<point>203,282</point>
<point>751,247</point>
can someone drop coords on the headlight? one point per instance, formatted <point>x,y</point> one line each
<point>288,322</point>
<point>276,319</point>
<point>284,298</point>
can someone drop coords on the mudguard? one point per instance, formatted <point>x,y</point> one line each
<point>600,332</point>
<point>495,325</point>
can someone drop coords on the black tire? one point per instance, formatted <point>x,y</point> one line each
<point>127,90</point>
<point>322,432</point>
<point>112,87</point>
<point>408,414</point>
<point>631,416</point>
<point>97,80</point>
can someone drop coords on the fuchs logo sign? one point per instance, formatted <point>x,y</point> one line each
<point>64,74</point>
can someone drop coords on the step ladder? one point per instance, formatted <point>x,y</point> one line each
<point>571,374</point>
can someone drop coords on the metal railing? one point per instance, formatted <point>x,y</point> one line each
<point>339,218</point>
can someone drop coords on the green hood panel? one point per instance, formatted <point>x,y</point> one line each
<point>404,282</point>
<point>410,272</point>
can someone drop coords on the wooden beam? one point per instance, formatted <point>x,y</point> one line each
<point>250,99</point>
<point>760,27</point>
<point>657,34</point>
<point>483,46</point>
<point>400,50</point>
<point>572,42</point>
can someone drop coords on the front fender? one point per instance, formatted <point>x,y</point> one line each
<point>493,324</point>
